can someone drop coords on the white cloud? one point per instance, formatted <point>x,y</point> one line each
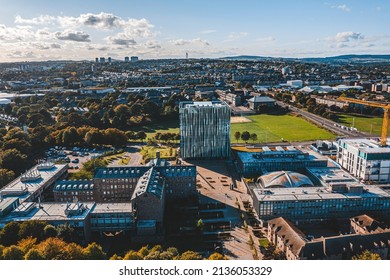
<point>152,45</point>
<point>182,42</point>
<point>20,54</point>
<point>123,41</point>
<point>208,31</point>
<point>41,20</point>
<point>265,39</point>
<point>76,36</point>
<point>236,35</point>
<point>348,36</point>
<point>343,8</point>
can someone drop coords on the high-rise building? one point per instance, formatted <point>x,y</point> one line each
<point>126,59</point>
<point>102,60</point>
<point>109,59</point>
<point>97,60</point>
<point>134,58</point>
<point>204,129</point>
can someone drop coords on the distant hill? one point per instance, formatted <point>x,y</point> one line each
<point>355,58</point>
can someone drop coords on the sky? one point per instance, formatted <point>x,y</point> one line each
<point>85,29</point>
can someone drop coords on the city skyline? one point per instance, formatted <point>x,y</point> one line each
<point>45,30</point>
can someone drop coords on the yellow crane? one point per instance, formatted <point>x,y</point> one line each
<point>385,107</point>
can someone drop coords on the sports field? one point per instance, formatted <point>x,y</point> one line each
<point>269,128</point>
<point>362,123</point>
<point>272,128</point>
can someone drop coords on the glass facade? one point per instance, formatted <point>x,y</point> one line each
<point>204,130</point>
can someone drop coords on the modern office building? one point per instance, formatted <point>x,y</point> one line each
<point>204,130</point>
<point>326,192</point>
<point>134,59</point>
<point>365,159</point>
<point>268,159</point>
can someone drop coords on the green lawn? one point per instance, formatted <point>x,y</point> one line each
<point>269,128</point>
<point>362,123</point>
<point>272,128</point>
<point>171,126</point>
<point>149,152</point>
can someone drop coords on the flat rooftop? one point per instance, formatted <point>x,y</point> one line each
<point>330,175</point>
<point>188,104</point>
<point>111,208</point>
<point>277,154</point>
<point>55,211</point>
<point>367,145</point>
<point>33,180</point>
<point>313,193</point>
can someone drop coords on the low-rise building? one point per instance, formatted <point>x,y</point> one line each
<point>295,244</point>
<point>257,101</point>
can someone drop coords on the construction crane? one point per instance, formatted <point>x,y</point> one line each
<point>385,107</point>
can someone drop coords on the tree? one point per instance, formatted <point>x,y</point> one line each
<point>6,176</point>
<point>94,252</point>
<point>70,136</point>
<point>245,136</point>
<point>217,256</point>
<point>190,255</point>
<point>367,255</point>
<point>52,249</point>
<point>115,137</point>
<point>21,145</point>
<point>14,160</point>
<point>132,255</point>
<point>66,233</point>
<point>115,257</point>
<point>13,253</point>
<point>73,251</point>
<point>34,254</point>
<point>32,228</point>
<point>9,234</point>
<point>253,137</point>
<point>27,244</point>
<point>141,135</point>
<point>50,231</point>
<point>237,135</point>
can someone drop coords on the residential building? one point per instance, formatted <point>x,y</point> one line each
<point>204,130</point>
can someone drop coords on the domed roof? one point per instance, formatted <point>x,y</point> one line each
<point>284,179</point>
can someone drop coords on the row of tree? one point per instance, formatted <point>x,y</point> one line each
<point>38,240</point>
<point>245,136</point>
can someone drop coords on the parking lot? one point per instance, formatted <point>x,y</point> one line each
<point>75,156</point>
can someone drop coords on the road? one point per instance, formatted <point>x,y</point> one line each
<point>325,123</point>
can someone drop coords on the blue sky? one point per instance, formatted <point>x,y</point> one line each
<point>41,29</point>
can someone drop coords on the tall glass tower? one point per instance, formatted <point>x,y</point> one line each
<point>204,130</point>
